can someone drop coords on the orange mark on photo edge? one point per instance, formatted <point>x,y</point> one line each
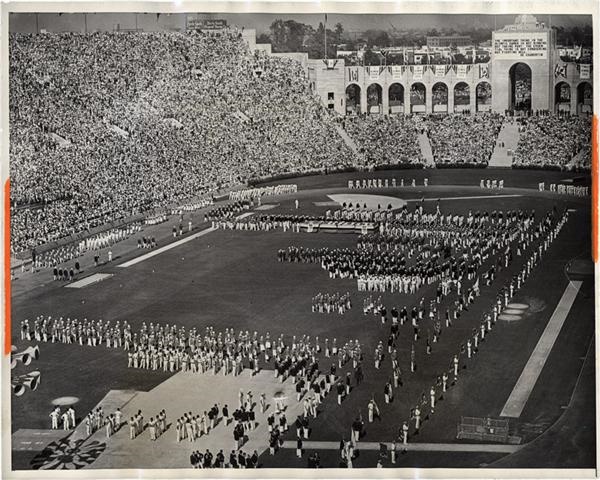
<point>7,329</point>
<point>595,179</point>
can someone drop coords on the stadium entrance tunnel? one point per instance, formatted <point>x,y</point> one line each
<point>520,87</point>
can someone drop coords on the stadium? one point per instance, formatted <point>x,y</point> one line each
<point>228,257</point>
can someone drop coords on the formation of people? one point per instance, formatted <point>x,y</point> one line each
<point>576,190</point>
<point>415,248</point>
<point>383,183</point>
<point>531,246</point>
<point>256,193</point>
<point>236,459</point>
<point>331,303</point>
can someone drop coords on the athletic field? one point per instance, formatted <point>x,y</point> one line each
<point>230,279</point>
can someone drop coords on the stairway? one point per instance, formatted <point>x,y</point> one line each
<point>350,142</point>
<point>583,157</point>
<point>509,136</point>
<point>426,150</point>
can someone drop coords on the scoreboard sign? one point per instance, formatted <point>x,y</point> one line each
<point>520,45</point>
<point>206,24</point>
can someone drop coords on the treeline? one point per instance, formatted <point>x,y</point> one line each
<point>292,36</point>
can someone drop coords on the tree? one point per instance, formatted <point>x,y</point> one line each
<point>377,38</point>
<point>288,36</point>
<point>316,43</point>
<point>372,58</point>
<point>339,31</point>
<point>263,38</point>
<point>278,35</point>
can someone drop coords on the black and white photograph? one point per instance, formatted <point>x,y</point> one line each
<point>298,239</point>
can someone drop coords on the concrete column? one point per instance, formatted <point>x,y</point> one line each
<point>363,99</point>
<point>472,100</point>
<point>385,99</point>
<point>406,98</point>
<point>428,100</point>
<point>574,100</point>
<point>450,98</point>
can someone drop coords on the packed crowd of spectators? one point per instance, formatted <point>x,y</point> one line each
<point>554,141</point>
<point>460,138</point>
<point>109,124</point>
<point>385,140</point>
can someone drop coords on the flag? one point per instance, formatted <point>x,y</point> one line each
<point>560,70</point>
<point>418,72</point>
<point>353,74</point>
<point>373,73</point>
<point>484,71</point>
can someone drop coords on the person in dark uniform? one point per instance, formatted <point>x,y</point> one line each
<point>254,459</point>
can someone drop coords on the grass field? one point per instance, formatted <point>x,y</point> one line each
<point>233,279</point>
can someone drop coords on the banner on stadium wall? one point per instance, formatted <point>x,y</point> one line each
<point>353,74</point>
<point>418,72</point>
<point>560,70</point>
<point>484,71</point>
<point>584,72</point>
<point>373,73</point>
<point>440,71</point>
<point>397,72</point>
<point>461,71</point>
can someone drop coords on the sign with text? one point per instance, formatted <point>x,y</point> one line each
<point>397,72</point>
<point>520,45</point>
<point>206,24</point>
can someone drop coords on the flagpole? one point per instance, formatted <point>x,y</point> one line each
<point>325,34</point>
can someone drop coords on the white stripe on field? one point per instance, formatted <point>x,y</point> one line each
<point>461,198</point>
<point>84,282</point>
<point>160,250</point>
<point>524,386</point>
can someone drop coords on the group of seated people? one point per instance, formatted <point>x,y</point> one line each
<point>554,141</point>
<point>385,140</point>
<point>109,124</point>
<point>461,138</point>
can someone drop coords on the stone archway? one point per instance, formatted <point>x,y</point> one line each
<point>418,98</point>
<point>374,98</point>
<point>520,87</point>
<point>439,97</point>
<point>353,99</point>
<point>396,97</point>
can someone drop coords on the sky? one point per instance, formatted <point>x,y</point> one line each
<point>262,21</point>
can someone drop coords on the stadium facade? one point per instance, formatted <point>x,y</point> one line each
<point>525,72</point>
